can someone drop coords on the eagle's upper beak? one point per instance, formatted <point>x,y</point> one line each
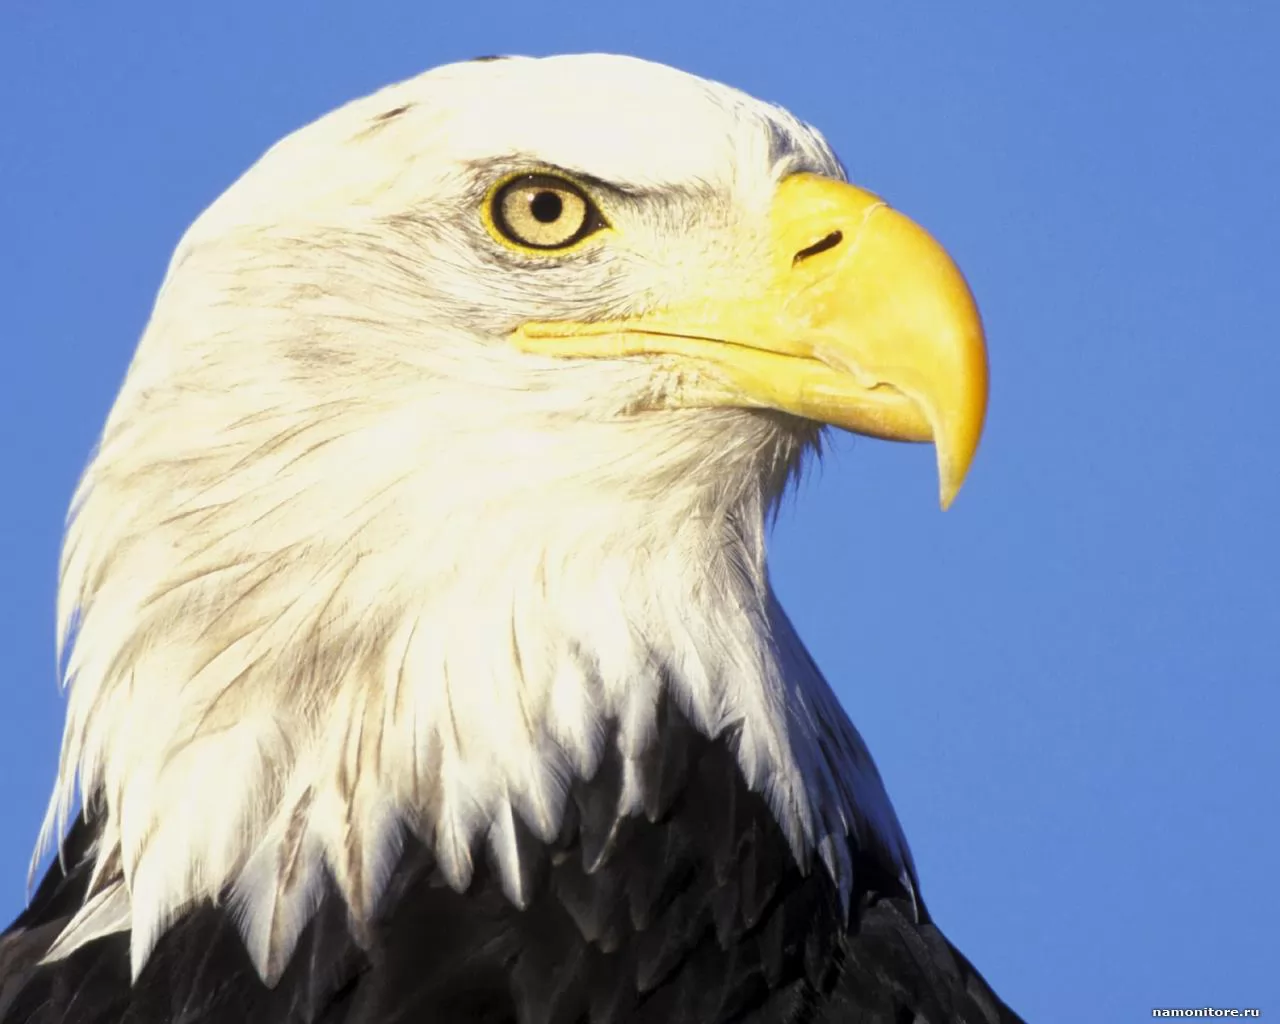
<point>859,319</point>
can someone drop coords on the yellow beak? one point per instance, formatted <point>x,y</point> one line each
<point>857,318</point>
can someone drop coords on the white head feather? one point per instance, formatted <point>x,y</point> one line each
<point>345,562</point>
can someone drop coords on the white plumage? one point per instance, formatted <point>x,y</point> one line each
<point>347,563</point>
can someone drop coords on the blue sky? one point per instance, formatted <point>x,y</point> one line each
<point>1070,681</point>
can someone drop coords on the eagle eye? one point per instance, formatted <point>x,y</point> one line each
<point>543,211</point>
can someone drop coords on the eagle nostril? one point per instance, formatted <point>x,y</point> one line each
<point>822,245</point>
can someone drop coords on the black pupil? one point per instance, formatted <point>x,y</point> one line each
<point>546,207</point>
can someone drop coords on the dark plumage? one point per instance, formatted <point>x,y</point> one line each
<point>692,914</point>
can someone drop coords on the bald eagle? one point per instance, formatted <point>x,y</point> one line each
<point>423,663</point>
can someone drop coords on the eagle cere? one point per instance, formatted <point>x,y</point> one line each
<point>421,653</point>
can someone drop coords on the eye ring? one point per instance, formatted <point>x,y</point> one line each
<point>542,212</point>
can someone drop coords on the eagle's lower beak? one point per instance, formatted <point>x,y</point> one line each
<point>859,319</point>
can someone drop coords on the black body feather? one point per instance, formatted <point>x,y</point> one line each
<point>694,913</point>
